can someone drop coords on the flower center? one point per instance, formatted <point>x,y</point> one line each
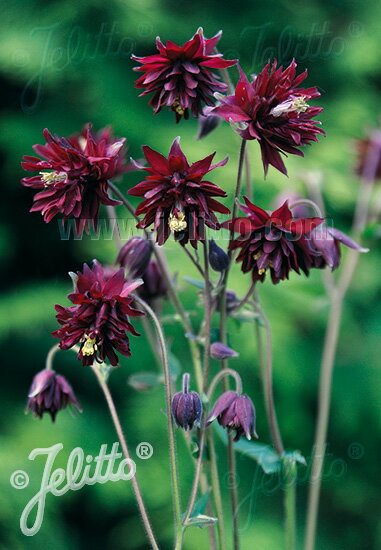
<point>177,221</point>
<point>177,107</point>
<point>89,347</point>
<point>52,177</point>
<point>296,104</point>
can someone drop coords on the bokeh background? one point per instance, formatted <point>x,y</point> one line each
<point>65,63</point>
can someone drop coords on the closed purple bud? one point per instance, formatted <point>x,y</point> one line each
<point>325,243</point>
<point>218,258</point>
<point>135,255</point>
<point>207,124</point>
<point>153,283</point>
<point>218,350</point>
<point>50,392</point>
<point>235,412</point>
<point>232,301</point>
<point>186,407</point>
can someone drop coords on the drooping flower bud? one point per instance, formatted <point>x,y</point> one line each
<point>325,243</point>
<point>186,406</point>
<point>235,412</point>
<point>218,258</point>
<point>153,283</point>
<point>135,255</point>
<point>50,393</point>
<point>369,156</point>
<point>218,350</point>
<point>207,124</point>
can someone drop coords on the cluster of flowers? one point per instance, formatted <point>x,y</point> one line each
<point>73,180</point>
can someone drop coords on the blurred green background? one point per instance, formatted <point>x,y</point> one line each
<point>65,63</point>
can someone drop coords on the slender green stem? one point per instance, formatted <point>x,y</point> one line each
<point>325,385</point>
<point>233,490</point>
<point>196,479</point>
<point>152,340</point>
<point>223,339</point>
<point>290,475</point>
<point>49,358</point>
<point>215,481</point>
<point>238,183</point>
<point>171,431</point>
<point>193,260</point>
<point>246,298</point>
<point>249,191</point>
<point>337,293</point>
<point>123,442</point>
<point>268,383</point>
<point>222,374</point>
<point>208,318</point>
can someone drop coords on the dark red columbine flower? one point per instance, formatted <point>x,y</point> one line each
<point>99,318</point>
<point>325,242</point>
<point>235,412</point>
<point>273,110</point>
<point>186,406</point>
<point>73,178</point>
<point>50,393</point>
<point>177,198</point>
<point>274,242</point>
<point>179,76</point>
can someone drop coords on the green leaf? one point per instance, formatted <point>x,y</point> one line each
<point>201,521</point>
<point>144,381</point>
<point>200,505</point>
<point>263,454</point>
<point>195,282</point>
<point>197,517</point>
<point>295,456</point>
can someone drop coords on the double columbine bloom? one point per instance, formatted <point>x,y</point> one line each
<point>73,178</point>
<point>274,243</point>
<point>235,412</point>
<point>99,318</point>
<point>273,110</point>
<point>176,197</point>
<point>179,77</point>
<point>50,393</point>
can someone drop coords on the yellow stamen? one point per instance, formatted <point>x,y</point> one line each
<point>89,347</point>
<point>261,271</point>
<point>300,104</point>
<point>297,105</point>
<point>177,107</point>
<point>177,222</point>
<point>52,177</point>
<point>258,255</point>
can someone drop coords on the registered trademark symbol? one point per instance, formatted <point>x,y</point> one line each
<point>144,450</point>
<point>356,451</point>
